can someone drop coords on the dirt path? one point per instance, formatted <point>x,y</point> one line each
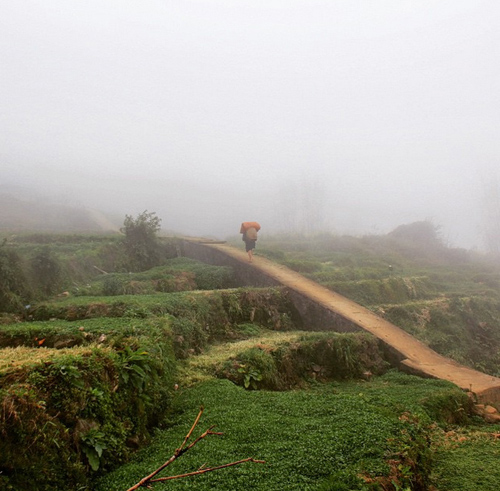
<point>417,356</point>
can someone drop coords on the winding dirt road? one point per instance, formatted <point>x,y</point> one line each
<point>417,357</point>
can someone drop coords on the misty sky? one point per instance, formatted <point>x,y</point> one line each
<point>350,116</point>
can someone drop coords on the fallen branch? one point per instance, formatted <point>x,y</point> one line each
<point>146,481</point>
<point>208,469</point>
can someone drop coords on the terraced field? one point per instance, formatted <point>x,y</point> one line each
<point>100,387</point>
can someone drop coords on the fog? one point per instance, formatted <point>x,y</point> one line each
<point>344,116</point>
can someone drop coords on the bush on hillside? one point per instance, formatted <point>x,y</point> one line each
<point>318,356</point>
<point>423,233</point>
<point>141,241</point>
<point>14,286</point>
<point>46,271</point>
<point>70,417</point>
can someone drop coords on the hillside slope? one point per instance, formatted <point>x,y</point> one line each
<point>19,214</point>
<point>416,356</point>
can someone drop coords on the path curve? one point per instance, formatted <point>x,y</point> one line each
<point>416,356</point>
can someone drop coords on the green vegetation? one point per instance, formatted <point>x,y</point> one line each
<point>66,413</point>
<point>467,459</point>
<point>348,436</point>
<point>141,242</point>
<point>34,267</point>
<point>13,285</point>
<point>177,274</point>
<point>96,385</point>
<point>318,356</point>
<point>46,267</point>
<point>99,386</point>
<point>448,298</point>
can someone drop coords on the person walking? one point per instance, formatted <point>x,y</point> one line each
<point>249,231</point>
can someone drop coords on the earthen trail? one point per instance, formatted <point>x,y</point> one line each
<point>417,357</point>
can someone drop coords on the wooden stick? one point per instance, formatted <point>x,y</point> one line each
<point>176,455</point>
<point>202,471</point>
<point>183,449</point>
<point>190,432</point>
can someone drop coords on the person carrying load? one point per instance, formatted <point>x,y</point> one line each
<point>249,231</point>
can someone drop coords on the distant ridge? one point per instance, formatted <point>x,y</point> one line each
<point>35,215</point>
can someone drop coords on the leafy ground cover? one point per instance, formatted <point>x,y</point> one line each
<point>314,356</point>
<point>70,412</point>
<point>34,267</point>
<point>78,396</point>
<point>87,378</point>
<point>466,459</point>
<point>342,436</point>
<point>197,318</point>
<point>285,360</point>
<point>177,274</point>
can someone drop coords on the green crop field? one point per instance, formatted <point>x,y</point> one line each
<point>100,385</point>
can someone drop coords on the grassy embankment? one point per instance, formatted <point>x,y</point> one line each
<point>320,435</point>
<point>448,298</point>
<point>86,379</point>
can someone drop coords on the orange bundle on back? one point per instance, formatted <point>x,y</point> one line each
<point>246,225</point>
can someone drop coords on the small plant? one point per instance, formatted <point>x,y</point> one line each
<point>93,445</point>
<point>73,375</point>
<point>250,376</point>
<point>135,367</point>
<point>411,462</point>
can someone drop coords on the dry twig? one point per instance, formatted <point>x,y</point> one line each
<point>148,480</point>
<point>208,469</point>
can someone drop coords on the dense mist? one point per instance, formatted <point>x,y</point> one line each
<point>305,115</point>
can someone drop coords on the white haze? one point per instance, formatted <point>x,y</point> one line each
<point>348,116</point>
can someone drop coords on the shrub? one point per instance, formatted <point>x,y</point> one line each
<point>14,289</point>
<point>46,271</point>
<point>141,241</point>
<point>321,356</point>
<point>66,419</point>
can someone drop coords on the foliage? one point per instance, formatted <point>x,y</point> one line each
<point>411,458</point>
<point>303,265</point>
<point>176,274</point>
<point>384,290</point>
<point>462,328</point>
<point>448,298</point>
<point>466,459</point>
<point>14,290</point>
<point>72,416</point>
<point>199,318</point>
<point>46,271</point>
<point>345,435</point>
<point>93,443</point>
<point>141,241</point>
<point>423,233</point>
<point>319,356</point>
<point>135,368</point>
<point>84,413</point>
<point>251,376</point>
<point>35,267</point>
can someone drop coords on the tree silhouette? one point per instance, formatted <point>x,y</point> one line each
<point>141,240</point>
